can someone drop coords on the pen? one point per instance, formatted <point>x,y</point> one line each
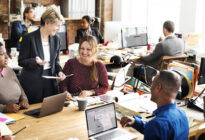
<point>21,129</point>
<point>69,75</point>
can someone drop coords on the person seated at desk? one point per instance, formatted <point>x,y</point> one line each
<point>20,28</point>
<point>170,46</point>
<point>39,56</point>
<point>170,122</point>
<point>86,29</point>
<point>12,96</point>
<point>89,75</point>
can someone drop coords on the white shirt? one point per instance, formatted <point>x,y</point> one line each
<point>46,52</point>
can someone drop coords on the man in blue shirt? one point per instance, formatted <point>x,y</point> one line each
<point>170,122</point>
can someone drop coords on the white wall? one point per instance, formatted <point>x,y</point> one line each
<point>117,10</point>
<point>187,16</point>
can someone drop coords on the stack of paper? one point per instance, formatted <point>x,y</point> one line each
<point>4,129</point>
<point>6,119</point>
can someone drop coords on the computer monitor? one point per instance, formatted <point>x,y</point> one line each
<point>178,35</point>
<point>112,30</point>
<point>63,37</point>
<point>201,76</point>
<point>134,36</point>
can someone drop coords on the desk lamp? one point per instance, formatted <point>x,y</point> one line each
<point>201,80</point>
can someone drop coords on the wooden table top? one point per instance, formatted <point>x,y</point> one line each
<point>69,123</point>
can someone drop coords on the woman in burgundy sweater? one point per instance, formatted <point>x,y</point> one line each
<point>90,75</point>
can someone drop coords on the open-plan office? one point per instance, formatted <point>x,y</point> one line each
<point>102,69</point>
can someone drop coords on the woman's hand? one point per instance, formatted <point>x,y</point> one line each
<point>62,76</point>
<point>69,96</point>
<point>86,93</point>
<point>8,137</point>
<point>24,105</point>
<point>12,108</point>
<point>40,61</point>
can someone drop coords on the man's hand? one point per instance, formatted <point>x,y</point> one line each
<point>12,108</point>
<point>125,121</point>
<point>24,104</point>
<point>62,76</point>
<point>40,61</point>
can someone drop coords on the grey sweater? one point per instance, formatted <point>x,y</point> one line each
<point>11,91</point>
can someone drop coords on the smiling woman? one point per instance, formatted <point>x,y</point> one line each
<point>13,97</point>
<point>39,56</point>
<point>90,75</point>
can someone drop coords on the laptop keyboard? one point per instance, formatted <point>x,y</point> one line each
<point>111,135</point>
<point>34,112</point>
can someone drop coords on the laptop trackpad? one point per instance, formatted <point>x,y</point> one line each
<point>111,135</point>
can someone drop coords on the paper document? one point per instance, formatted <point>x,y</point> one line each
<point>7,119</point>
<point>56,77</point>
<point>4,129</point>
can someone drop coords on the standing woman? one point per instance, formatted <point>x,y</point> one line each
<point>90,75</point>
<point>39,56</point>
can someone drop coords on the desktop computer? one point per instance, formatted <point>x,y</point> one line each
<point>134,37</point>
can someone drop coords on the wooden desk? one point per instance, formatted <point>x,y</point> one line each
<point>59,126</point>
<point>129,54</point>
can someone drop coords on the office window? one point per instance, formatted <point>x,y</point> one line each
<point>150,13</point>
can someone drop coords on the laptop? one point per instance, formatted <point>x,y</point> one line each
<point>102,124</point>
<point>50,105</point>
<point>121,77</point>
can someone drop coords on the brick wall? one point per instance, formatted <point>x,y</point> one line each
<point>4,6</point>
<point>44,2</point>
<point>73,25</point>
<point>106,13</point>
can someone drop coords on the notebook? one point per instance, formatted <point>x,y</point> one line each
<point>102,124</point>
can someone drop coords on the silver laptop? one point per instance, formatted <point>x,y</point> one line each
<point>102,124</point>
<point>50,105</point>
<point>121,77</point>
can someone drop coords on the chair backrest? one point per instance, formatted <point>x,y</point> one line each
<point>165,60</point>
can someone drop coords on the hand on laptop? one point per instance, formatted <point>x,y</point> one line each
<point>125,121</point>
<point>24,104</point>
<point>12,108</point>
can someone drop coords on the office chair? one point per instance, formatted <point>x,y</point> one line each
<point>165,60</point>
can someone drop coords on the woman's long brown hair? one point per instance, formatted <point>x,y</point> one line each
<point>93,44</point>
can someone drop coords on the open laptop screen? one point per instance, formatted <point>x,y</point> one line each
<point>100,119</point>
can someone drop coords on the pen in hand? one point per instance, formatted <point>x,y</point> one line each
<point>21,129</point>
<point>69,75</point>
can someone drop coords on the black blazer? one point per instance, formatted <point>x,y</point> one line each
<point>32,46</point>
<point>82,32</point>
<point>31,75</point>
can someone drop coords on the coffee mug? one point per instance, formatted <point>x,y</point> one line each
<point>82,103</point>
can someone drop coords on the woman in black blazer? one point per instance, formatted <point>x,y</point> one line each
<point>39,56</point>
<point>86,29</point>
